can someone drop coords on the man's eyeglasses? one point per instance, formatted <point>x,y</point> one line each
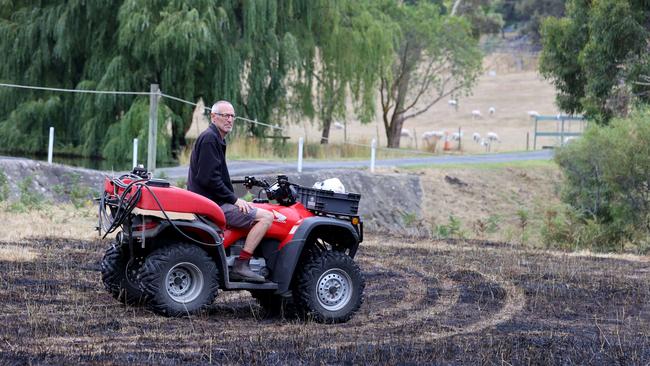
<point>226,115</point>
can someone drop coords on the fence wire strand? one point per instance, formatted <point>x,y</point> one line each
<point>160,93</point>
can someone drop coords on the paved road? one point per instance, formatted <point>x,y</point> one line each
<point>244,167</point>
<point>247,167</point>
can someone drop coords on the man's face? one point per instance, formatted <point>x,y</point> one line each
<point>224,118</point>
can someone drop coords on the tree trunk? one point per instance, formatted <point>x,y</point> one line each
<point>324,139</point>
<point>394,133</point>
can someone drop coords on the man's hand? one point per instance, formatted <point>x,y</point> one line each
<point>242,205</point>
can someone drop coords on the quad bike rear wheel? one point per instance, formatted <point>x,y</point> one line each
<point>119,275</point>
<point>329,287</point>
<point>179,279</point>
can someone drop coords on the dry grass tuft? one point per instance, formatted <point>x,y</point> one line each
<point>16,253</point>
<point>54,221</point>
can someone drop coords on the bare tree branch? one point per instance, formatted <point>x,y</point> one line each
<point>455,7</point>
<point>443,95</point>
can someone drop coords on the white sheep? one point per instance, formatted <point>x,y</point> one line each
<point>453,103</point>
<point>338,125</point>
<point>533,114</point>
<point>492,111</point>
<point>433,135</point>
<point>570,139</point>
<point>492,137</point>
<point>431,139</point>
<point>456,136</point>
<point>476,114</point>
<point>476,137</point>
<point>485,144</point>
<point>406,133</point>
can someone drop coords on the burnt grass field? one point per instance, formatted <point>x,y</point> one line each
<point>425,303</point>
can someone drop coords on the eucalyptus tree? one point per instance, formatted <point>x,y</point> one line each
<point>228,49</point>
<point>597,57</point>
<point>435,56</point>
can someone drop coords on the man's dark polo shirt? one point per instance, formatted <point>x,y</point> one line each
<point>208,174</point>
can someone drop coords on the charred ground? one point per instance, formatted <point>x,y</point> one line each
<point>426,302</point>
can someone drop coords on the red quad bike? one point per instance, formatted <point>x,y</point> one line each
<point>173,250</point>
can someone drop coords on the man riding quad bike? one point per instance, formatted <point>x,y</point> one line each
<point>173,250</point>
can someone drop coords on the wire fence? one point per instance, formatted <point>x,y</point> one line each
<point>65,141</point>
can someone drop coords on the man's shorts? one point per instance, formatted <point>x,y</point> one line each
<point>236,218</point>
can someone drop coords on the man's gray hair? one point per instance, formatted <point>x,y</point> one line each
<point>215,106</point>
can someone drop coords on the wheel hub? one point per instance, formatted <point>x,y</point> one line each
<point>131,271</point>
<point>334,289</point>
<point>184,282</point>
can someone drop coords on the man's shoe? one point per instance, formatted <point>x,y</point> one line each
<point>242,270</point>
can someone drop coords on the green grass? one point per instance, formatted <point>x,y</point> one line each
<point>486,166</point>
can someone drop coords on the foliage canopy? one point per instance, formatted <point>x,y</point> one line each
<point>434,56</point>
<point>597,57</point>
<point>235,50</point>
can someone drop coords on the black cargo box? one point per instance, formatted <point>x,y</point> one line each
<point>329,202</point>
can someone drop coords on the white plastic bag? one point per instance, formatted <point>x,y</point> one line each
<point>332,184</point>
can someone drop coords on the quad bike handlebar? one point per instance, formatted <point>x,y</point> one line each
<point>281,191</point>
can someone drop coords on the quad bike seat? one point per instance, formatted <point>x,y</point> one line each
<point>173,200</point>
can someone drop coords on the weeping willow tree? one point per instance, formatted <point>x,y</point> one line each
<point>229,49</point>
<point>352,41</point>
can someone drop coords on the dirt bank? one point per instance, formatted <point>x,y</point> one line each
<point>485,203</point>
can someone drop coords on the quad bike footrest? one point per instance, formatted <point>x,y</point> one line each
<point>251,286</point>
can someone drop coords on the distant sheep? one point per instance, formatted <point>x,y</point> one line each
<point>452,102</point>
<point>456,136</point>
<point>431,139</point>
<point>570,139</point>
<point>492,111</point>
<point>406,133</point>
<point>338,125</point>
<point>493,137</point>
<point>476,114</point>
<point>476,137</point>
<point>485,143</point>
<point>533,114</point>
<point>433,135</point>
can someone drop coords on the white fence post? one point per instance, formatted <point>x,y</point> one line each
<point>300,143</point>
<point>50,146</point>
<point>153,127</point>
<point>373,153</point>
<point>135,152</point>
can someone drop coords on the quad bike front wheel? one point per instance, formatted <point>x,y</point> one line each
<point>179,279</point>
<point>119,275</point>
<point>329,287</point>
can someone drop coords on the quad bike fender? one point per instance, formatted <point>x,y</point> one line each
<point>343,233</point>
<point>206,236</point>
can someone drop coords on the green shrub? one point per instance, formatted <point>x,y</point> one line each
<point>78,193</point>
<point>409,218</point>
<point>29,198</point>
<point>4,186</point>
<point>453,229</point>
<point>607,186</point>
<point>181,183</point>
